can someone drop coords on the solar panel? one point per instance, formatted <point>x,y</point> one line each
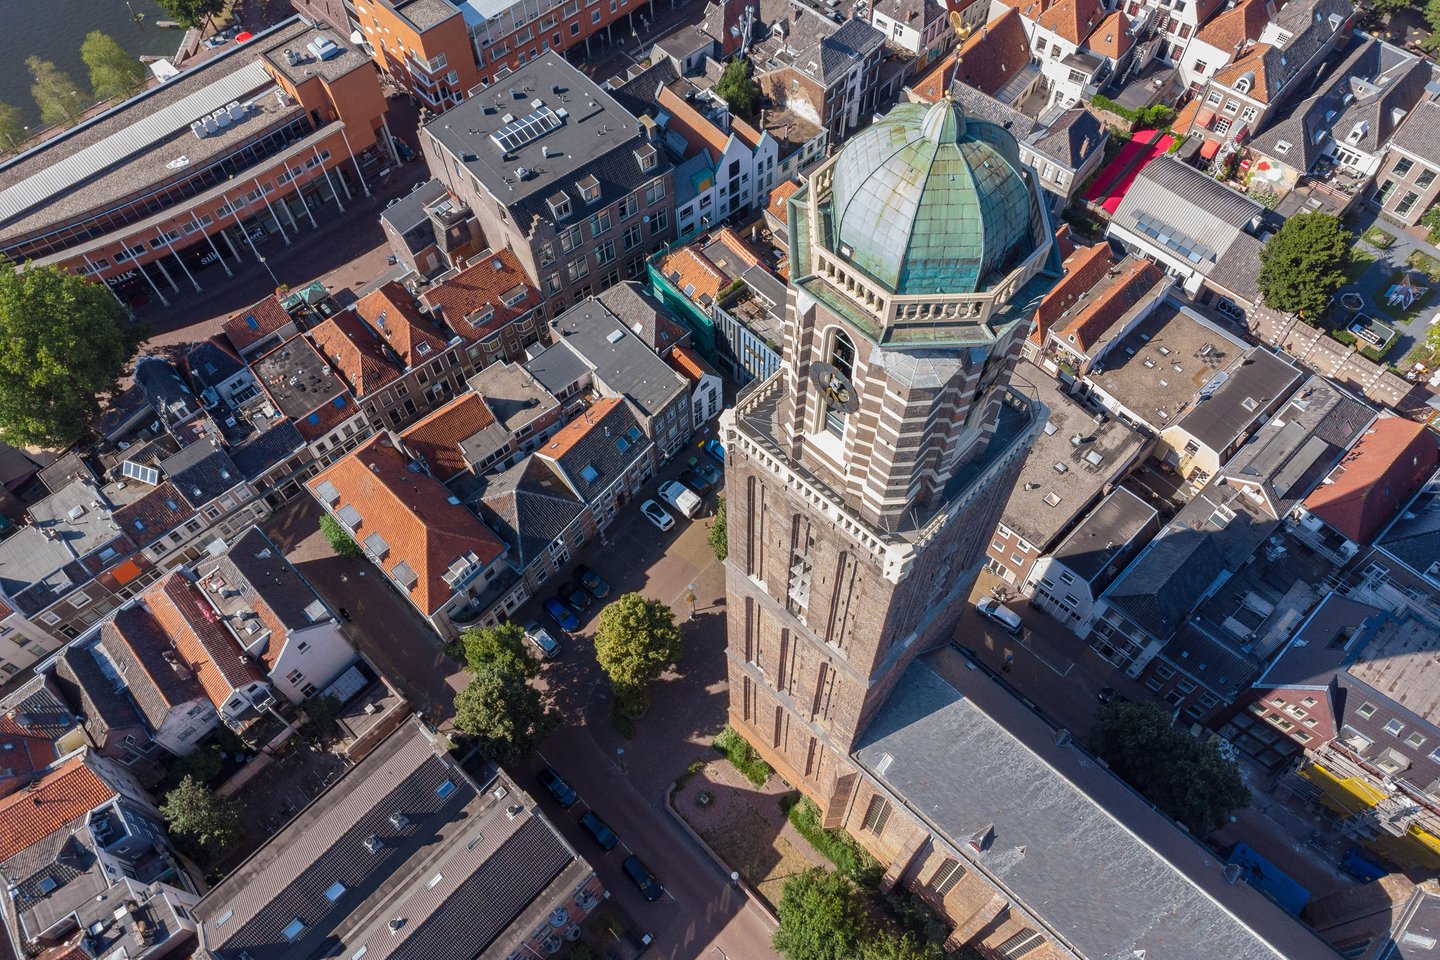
<point>528,128</point>
<point>138,471</point>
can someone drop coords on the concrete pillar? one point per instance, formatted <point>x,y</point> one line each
<point>278,222</point>
<point>152,284</point>
<point>358,172</point>
<point>96,274</point>
<point>230,243</point>
<point>328,179</point>
<point>171,248</point>
<point>166,273</point>
<point>211,240</point>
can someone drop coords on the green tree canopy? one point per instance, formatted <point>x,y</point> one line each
<point>1303,265</point>
<point>59,98</point>
<point>12,127</point>
<point>888,947</point>
<point>719,541</point>
<point>323,714</point>
<point>1383,7</point>
<point>504,714</point>
<point>821,917</point>
<point>1187,779</point>
<point>502,647</point>
<point>207,823</point>
<point>191,13</point>
<point>635,641</point>
<point>113,72</point>
<point>738,90</point>
<point>63,341</point>
<point>340,540</point>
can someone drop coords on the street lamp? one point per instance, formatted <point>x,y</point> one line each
<point>266,264</point>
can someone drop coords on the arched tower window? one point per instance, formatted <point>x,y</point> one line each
<point>841,356</point>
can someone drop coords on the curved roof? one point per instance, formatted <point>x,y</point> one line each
<point>926,201</point>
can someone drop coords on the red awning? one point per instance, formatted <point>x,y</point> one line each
<point>1204,118</point>
<point>1210,148</point>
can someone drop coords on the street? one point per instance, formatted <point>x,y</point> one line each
<point>625,781</point>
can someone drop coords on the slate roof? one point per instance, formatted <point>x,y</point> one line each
<point>354,350</point>
<point>1071,139</point>
<point>1160,588</point>
<point>206,647</point>
<point>1238,270</point>
<point>201,472</point>
<point>67,793</point>
<point>409,211</point>
<point>529,506</point>
<point>602,442</point>
<point>145,658</point>
<point>1104,534</point>
<point>210,362</point>
<point>1324,641</point>
<point>439,439</point>
<point>1391,461</point>
<point>621,360</point>
<point>488,868</point>
<point>262,452</point>
<point>463,299</point>
<point>1080,849</point>
<point>977,103</point>
<point>255,322</point>
<point>641,313</point>
<point>1245,396</point>
<point>412,513</point>
<point>81,680</point>
<point>1420,133</point>
<point>1414,537</point>
<point>268,584</point>
<point>390,311</point>
<point>154,515</point>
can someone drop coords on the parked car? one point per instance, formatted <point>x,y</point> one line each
<point>541,640</point>
<point>695,481</point>
<point>592,581</point>
<point>710,472</point>
<point>657,515</point>
<point>643,879</point>
<point>561,614</point>
<point>403,148</point>
<point>600,830</point>
<point>681,497</point>
<point>574,598</point>
<point>563,793</point>
<point>1001,615</point>
<point>715,449</point>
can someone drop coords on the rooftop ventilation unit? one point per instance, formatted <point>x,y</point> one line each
<point>324,48</point>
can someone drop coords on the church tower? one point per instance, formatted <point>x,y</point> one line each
<point>866,476</point>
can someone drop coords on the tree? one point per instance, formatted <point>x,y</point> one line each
<point>1187,779</point>
<point>635,641</point>
<point>1384,7</point>
<point>207,823</point>
<point>821,917</point>
<point>323,714</point>
<point>113,72</point>
<point>60,100</point>
<point>191,13</point>
<point>504,714</point>
<point>63,341</point>
<point>501,647</point>
<point>12,127</point>
<point>888,947</point>
<point>341,542</point>
<point>1432,17</point>
<point>1303,265</point>
<point>719,541</point>
<point>738,90</point>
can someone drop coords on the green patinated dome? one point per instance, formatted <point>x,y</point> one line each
<point>926,201</point>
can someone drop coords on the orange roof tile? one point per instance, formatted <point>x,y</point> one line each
<point>1112,38</point>
<point>436,438</point>
<point>210,651</point>
<point>1186,117</point>
<point>1072,20</point>
<point>935,84</point>
<point>472,302</point>
<point>690,364</point>
<point>698,131</point>
<point>68,793</point>
<point>390,311</point>
<point>1230,28</point>
<point>570,434</point>
<point>1136,278</point>
<point>737,245</point>
<point>1083,269</point>
<point>692,273</point>
<point>354,350</point>
<point>411,511</point>
<point>1376,478</point>
<point>994,54</point>
<point>1254,62</point>
<point>255,322</point>
<point>779,198</point>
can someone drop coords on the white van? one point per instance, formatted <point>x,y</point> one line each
<point>1001,615</point>
<point>680,497</point>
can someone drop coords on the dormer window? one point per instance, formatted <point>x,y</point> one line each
<point>559,203</point>
<point>1245,82</point>
<point>589,189</point>
<point>648,158</point>
<point>1282,147</point>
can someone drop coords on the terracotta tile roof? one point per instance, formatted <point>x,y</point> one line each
<point>691,124</point>
<point>1072,20</point>
<point>390,311</point>
<point>748,135</point>
<point>206,647</point>
<point>778,198</point>
<point>691,365</point>
<point>142,650</point>
<point>1083,269</point>
<point>24,752</point>
<point>1375,478</point>
<point>934,85</point>
<point>693,274</point>
<point>424,533</point>
<point>1186,117</point>
<point>737,245</point>
<point>436,438</point>
<point>1232,27</point>
<point>354,350</point>
<point>1136,278</point>
<point>994,54</point>
<point>68,793</point>
<point>471,302</point>
<point>1112,38</point>
<point>327,416</point>
<point>575,431</point>
<point>255,322</point>
<point>1254,62</point>
<point>152,516</point>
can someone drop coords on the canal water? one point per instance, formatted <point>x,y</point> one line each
<point>54,29</point>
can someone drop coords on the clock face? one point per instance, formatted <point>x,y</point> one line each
<point>835,387</point>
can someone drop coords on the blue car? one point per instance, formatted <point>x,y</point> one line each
<point>561,614</point>
<point>715,449</point>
